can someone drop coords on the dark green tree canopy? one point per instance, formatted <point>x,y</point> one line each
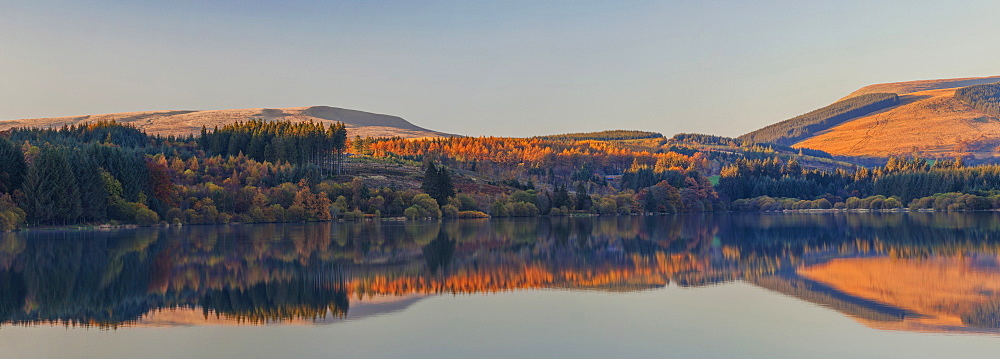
<point>437,183</point>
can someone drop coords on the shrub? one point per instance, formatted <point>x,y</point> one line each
<point>145,216</point>
<point>411,213</point>
<point>472,214</point>
<point>449,211</point>
<point>355,215</point>
<point>499,209</point>
<point>523,209</point>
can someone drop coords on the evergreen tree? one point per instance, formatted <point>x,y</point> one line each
<point>93,196</point>
<point>12,166</point>
<point>561,198</point>
<point>437,183</point>
<point>51,190</point>
<point>583,201</point>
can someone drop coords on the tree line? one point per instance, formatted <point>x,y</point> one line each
<point>112,173</point>
<point>278,141</point>
<point>609,135</point>
<point>985,97</point>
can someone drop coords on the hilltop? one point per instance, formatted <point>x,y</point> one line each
<point>167,123</point>
<point>923,118</point>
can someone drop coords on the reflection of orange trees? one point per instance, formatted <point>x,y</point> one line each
<point>642,271</point>
<point>474,281</point>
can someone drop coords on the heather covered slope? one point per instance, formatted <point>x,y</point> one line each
<point>927,118</point>
<point>358,123</point>
<point>902,88</point>
<point>804,126</point>
<point>928,123</point>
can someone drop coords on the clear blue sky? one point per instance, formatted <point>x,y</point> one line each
<point>512,68</point>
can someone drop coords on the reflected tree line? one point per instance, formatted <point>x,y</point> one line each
<point>278,272</point>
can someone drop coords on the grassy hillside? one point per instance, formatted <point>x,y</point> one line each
<point>984,98</point>
<point>908,87</point>
<point>167,123</point>
<point>804,126</point>
<point>927,124</point>
<point>944,118</point>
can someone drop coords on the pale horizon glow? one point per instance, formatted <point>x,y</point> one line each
<point>512,68</point>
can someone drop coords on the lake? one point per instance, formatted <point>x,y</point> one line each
<point>795,285</point>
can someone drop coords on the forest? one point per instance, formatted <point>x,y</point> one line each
<point>610,135</point>
<point>258,171</point>
<point>984,98</point>
<point>106,173</point>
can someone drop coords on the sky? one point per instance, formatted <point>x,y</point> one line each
<point>503,68</point>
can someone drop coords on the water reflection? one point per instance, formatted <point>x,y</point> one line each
<point>903,271</point>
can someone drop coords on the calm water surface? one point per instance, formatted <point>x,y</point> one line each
<point>826,285</point>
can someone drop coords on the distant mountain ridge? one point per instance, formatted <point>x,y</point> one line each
<point>358,123</point>
<point>902,88</point>
<point>926,118</point>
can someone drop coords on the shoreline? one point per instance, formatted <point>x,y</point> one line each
<point>111,228</point>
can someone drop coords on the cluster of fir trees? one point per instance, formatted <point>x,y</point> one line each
<point>279,141</point>
<point>609,135</point>
<point>95,183</point>
<point>745,144</point>
<point>773,177</point>
<point>437,183</point>
<point>107,172</point>
<point>984,98</point>
<point>897,184</point>
<point>104,132</point>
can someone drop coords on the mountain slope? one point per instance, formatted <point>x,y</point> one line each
<point>902,88</point>
<point>928,120</point>
<point>358,123</point>
<point>793,130</point>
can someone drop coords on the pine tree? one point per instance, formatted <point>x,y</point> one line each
<point>93,196</point>
<point>51,189</point>
<point>583,201</point>
<point>12,166</point>
<point>445,188</point>
<point>561,198</point>
<point>429,185</point>
<point>437,183</point>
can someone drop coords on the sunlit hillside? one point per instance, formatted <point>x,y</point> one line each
<point>927,120</point>
<point>907,87</point>
<point>943,292</point>
<point>166,123</point>
<point>929,123</point>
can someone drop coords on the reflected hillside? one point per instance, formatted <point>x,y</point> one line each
<point>907,271</point>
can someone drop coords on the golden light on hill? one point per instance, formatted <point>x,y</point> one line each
<point>939,290</point>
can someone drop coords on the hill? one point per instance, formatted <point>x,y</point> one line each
<point>167,123</point>
<point>793,130</point>
<point>924,118</point>
<point>609,135</point>
<point>902,88</point>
